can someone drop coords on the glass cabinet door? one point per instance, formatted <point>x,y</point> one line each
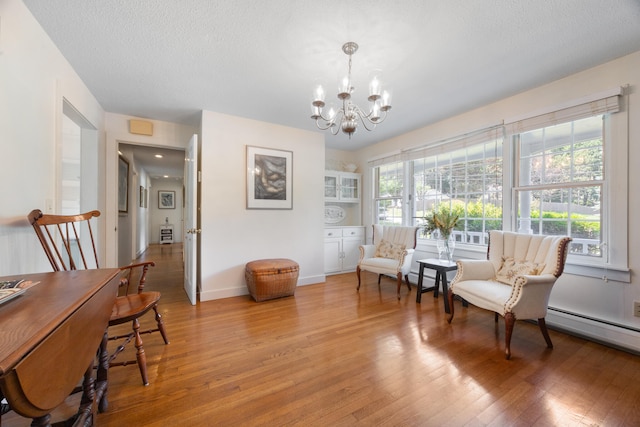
<point>349,188</point>
<point>331,187</point>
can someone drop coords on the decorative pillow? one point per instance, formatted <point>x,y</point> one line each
<point>383,248</point>
<point>511,269</point>
<point>389,250</point>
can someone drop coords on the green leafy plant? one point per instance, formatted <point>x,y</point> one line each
<point>444,220</point>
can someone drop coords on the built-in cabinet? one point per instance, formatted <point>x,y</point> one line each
<point>343,232</point>
<point>342,187</point>
<point>341,248</point>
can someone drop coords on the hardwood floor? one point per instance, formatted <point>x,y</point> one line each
<point>331,356</point>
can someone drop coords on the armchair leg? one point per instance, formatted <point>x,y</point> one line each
<point>545,333</point>
<point>406,280</point>
<point>449,296</point>
<point>509,323</point>
<point>358,274</point>
<point>399,284</point>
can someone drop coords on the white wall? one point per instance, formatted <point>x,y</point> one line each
<point>233,235</point>
<point>158,216</point>
<point>34,79</point>
<point>608,302</point>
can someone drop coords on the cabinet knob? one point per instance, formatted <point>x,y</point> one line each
<point>330,234</point>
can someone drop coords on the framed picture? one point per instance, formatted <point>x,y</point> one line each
<point>141,197</point>
<point>166,199</point>
<point>146,197</point>
<point>123,185</point>
<point>269,178</point>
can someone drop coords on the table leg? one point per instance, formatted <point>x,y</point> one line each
<point>445,292</point>
<point>102,373</point>
<point>436,289</point>
<point>87,411</point>
<point>44,421</point>
<point>419,293</point>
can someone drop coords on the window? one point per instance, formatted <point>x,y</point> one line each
<point>389,193</point>
<point>467,181</point>
<point>553,176</point>
<point>560,182</point>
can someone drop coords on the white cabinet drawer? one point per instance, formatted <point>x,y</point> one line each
<point>332,232</point>
<point>353,232</point>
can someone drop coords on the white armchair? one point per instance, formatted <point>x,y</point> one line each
<point>515,281</point>
<point>390,254</point>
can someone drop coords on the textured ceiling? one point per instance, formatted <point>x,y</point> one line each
<point>167,59</point>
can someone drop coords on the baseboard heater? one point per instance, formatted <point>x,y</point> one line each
<point>591,337</point>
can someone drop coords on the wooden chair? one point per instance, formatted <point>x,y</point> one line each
<point>68,241</point>
<point>515,280</point>
<point>390,254</point>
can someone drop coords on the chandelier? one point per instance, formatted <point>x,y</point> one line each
<point>349,114</point>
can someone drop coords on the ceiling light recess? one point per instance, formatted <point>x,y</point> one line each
<point>349,114</point>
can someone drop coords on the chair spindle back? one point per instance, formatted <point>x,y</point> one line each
<point>67,240</point>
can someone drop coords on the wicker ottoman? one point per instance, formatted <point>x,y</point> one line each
<point>271,278</point>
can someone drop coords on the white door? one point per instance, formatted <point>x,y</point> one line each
<point>191,231</point>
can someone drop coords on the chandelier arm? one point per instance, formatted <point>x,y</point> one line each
<point>330,124</point>
<point>364,118</point>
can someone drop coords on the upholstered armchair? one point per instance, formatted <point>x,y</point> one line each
<point>515,281</point>
<point>390,254</point>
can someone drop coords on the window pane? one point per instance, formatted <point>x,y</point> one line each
<point>390,180</point>
<point>563,153</point>
<point>389,211</point>
<point>570,211</point>
<point>389,191</point>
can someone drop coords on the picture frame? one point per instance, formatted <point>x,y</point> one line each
<point>166,199</point>
<point>141,204</point>
<point>123,185</point>
<point>146,198</point>
<point>269,178</point>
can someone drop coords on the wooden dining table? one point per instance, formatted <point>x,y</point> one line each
<point>49,338</point>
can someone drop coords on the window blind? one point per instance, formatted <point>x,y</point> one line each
<point>443,146</point>
<point>603,103</point>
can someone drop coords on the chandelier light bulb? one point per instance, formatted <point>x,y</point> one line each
<point>386,101</point>
<point>346,118</point>
<point>374,89</point>
<point>318,96</point>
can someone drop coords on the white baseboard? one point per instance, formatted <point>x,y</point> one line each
<point>242,290</point>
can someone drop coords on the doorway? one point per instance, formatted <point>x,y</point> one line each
<point>152,170</point>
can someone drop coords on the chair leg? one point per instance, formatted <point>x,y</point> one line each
<point>140,355</point>
<point>379,278</point>
<point>358,274</point>
<point>545,333</point>
<point>450,298</point>
<point>160,325</point>
<point>399,283</point>
<point>509,323</point>
<point>406,280</point>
